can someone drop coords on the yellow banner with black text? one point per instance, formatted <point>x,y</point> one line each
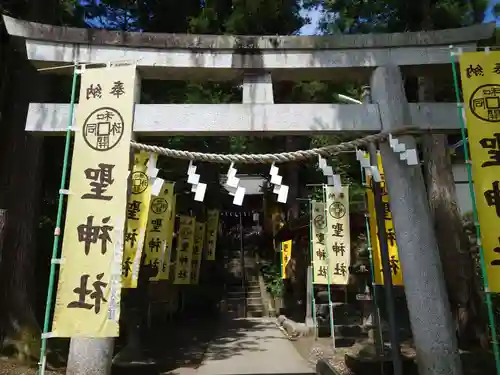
<point>137,216</point>
<point>212,231</point>
<point>338,234</point>
<point>331,242</point>
<point>164,272</point>
<point>88,293</point>
<point>397,274</point>
<point>185,244</point>
<point>286,255</point>
<point>158,242</point>
<point>199,244</point>
<point>480,73</point>
<point>318,243</point>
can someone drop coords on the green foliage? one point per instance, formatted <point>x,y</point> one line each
<point>360,16</point>
<point>272,279</point>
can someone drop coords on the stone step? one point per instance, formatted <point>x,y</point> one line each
<point>254,300</point>
<point>256,307</point>
<point>255,314</point>
<point>340,310</point>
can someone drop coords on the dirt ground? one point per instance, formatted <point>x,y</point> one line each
<point>11,367</point>
<point>474,362</point>
<point>314,349</point>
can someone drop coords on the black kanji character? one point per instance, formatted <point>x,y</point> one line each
<point>496,68</point>
<point>118,89</point>
<point>391,236</point>
<point>154,244</point>
<point>474,70</point>
<point>338,248</point>
<point>393,265</point>
<point>126,267</point>
<point>321,254</point>
<point>340,269</point>
<point>322,271</point>
<point>131,237</point>
<point>387,211</point>
<point>90,234</point>
<point>493,144</point>
<point>496,250</point>
<point>94,92</point>
<point>97,294</point>
<point>156,224</point>
<point>338,230</point>
<point>100,178</point>
<point>493,197</point>
<point>133,208</point>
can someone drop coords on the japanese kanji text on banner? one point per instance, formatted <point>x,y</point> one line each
<point>480,73</point>
<point>338,236</point>
<point>185,243</point>
<point>319,250</point>
<point>286,254</point>
<point>158,225</point>
<point>88,294</point>
<point>212,230</point>
<point>199,244</point>
<point>397,275</point>
<point>137,217</point>
<point>164,272</point>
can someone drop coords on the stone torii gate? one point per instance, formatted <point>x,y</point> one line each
<point>257,62</point>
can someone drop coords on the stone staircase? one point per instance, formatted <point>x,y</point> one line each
<point>347,323</point>
<point>243,293</point>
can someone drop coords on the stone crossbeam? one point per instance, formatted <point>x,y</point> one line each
<point>219,58</point>
<point>252,119</point>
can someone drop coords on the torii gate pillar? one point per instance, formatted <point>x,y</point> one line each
<point>430,316</point>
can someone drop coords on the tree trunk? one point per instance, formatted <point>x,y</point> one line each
<point>458,264</point>
<point>20,186</point>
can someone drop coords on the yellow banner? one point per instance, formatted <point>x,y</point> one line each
<point>185,243</point>
<point>166,261</point>
<point>158,224</point>
<point>88,293</point>
<point>480,73</point>
<point>212,230</point>
<point>318,232</point>
<point>286,254</point>
<point>137,216</point>
<point>199,242</point>
<point>397,274</point>
<point>339,235</point>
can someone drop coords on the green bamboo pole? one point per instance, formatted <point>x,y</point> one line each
<point>330,304</point>
<point>311,252</point>
<point>468,162</point>
<point>281,261</point>
<point>57,231</point>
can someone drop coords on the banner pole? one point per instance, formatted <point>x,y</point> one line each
<point>311,254</point>
<point>378,341</point>
<point>330,303</point>
<point>489,303</point>
<point>57,230</point>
